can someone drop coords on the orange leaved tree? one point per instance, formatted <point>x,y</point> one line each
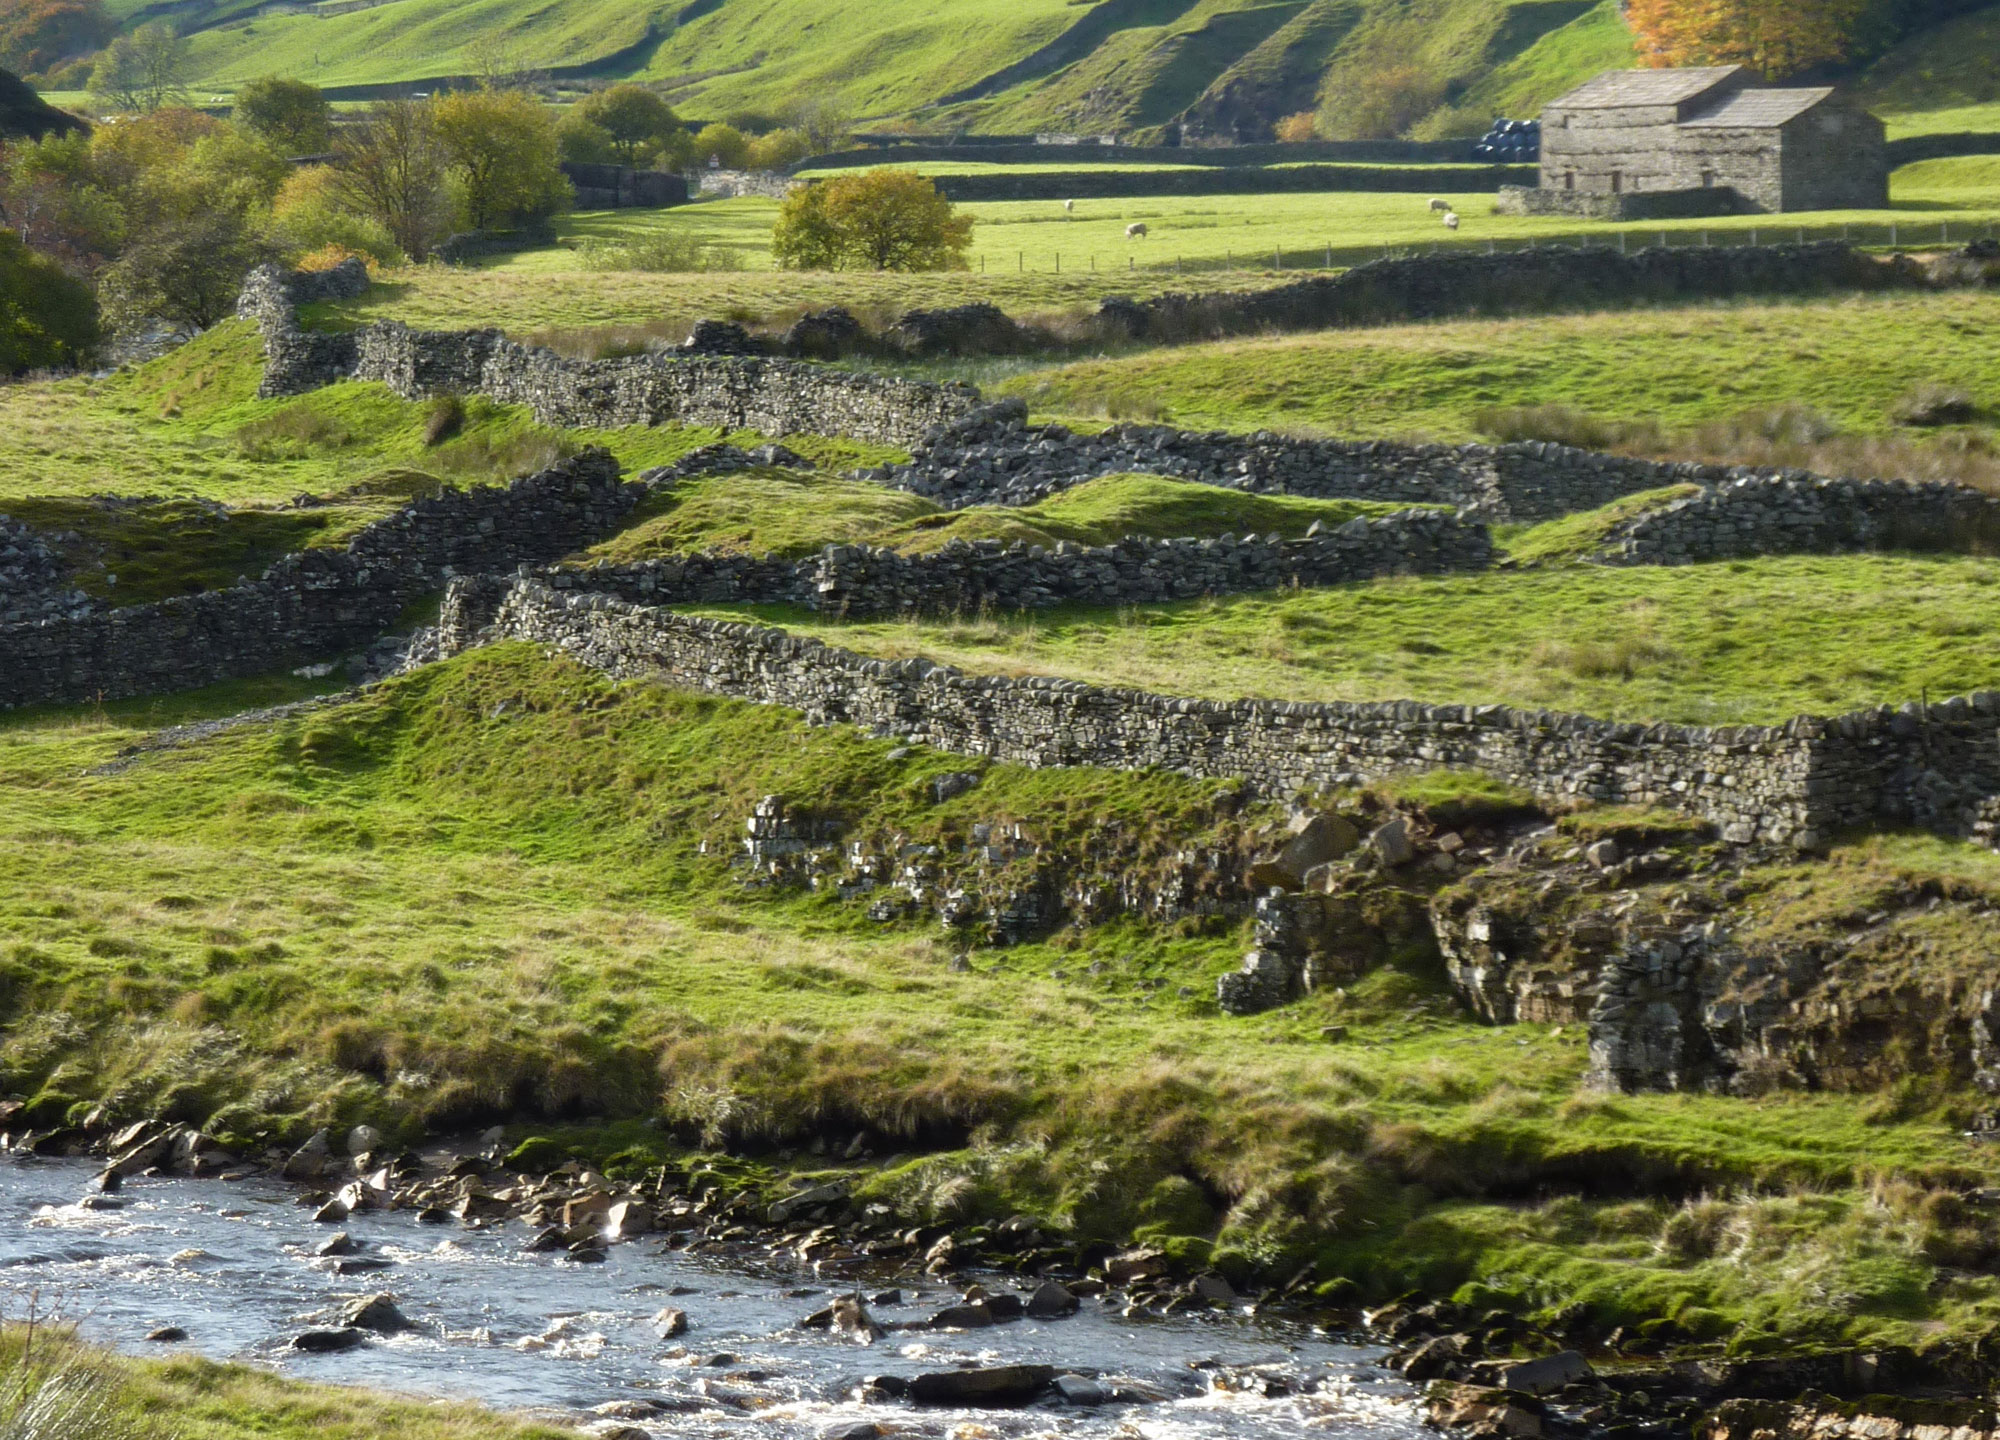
<point>1777,38</point>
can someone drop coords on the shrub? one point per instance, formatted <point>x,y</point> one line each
<point>48,319</point>
<point>291,114</point>
<point>1298,129</point>
<point>1934,404</point>
<point>879,220</point>
<point>666,252</point>
<point>188,275</point>
<point>636,124</point>
<point>724,144</point>
<point>309,218</point>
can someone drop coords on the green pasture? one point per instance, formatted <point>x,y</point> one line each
<point>1737,642</point>
<point>1848,359</point>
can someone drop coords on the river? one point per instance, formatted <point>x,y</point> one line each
<point>233,1264</point>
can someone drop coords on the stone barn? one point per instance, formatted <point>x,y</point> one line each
<point>1636,144</point>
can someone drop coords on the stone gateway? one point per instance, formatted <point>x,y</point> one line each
<point>1648,144</point>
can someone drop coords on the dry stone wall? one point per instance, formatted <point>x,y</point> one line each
<point>1808,514</point>
<point>968,577</point>
<point>997,458</point>
<point>777,397</point>
<point>316,602</point>
<point>1797,783</point>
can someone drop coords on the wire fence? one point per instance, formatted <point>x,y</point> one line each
<point>1888,235</point>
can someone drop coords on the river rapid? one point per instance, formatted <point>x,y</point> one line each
<point>233,1264</point>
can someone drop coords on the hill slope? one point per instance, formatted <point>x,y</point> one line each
<point>1429,69</point>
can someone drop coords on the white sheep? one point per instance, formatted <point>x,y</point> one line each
<point>1437,205</point>
<point>1136,230</point>
<point>1069,207</point>
<point>1450,220</point>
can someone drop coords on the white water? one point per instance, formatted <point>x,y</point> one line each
<point>232,1264</point>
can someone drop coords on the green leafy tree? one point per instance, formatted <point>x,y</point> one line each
<point>638,122</point>
<point>291,114</point>
<point>142,71</point>
<point>878,220</point>
<point>187,274</point>
<point>723,144</point>
<point>392,169</point>
<point>584,141</point>
<point>502,144</point>
<point>48,318</point>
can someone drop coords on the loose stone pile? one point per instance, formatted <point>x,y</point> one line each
<point>34,577</point>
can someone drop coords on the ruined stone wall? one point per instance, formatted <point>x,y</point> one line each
<point>1793,514</point>
<point>315,603</point>
<point>969,577</point>
<point>997,458</point>
<point>1794,783</point>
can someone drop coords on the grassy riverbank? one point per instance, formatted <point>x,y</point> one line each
<point>498,889</point>
<point>113,1397</point>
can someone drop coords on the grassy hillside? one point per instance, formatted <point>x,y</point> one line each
<point>1943,79</point>
<point>497,889</point>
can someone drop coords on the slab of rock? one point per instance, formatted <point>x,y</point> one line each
<point>1392,844</point>
<point>1537,1377</point>
<point>670,1322</point>
<point>1051,1301</point>
<point>988,1385</point>
<point>1081,1390</point>
<point>1484,1411</point>
<point>166,1335</point>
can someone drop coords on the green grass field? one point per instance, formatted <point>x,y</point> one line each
<point>1849,359</point>
<point>1732,643</point>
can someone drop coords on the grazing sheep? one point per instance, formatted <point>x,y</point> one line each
<point>1437,205</point>
<point>1069,207</point>
<point>1450,220</point>
<point>1136,230</point>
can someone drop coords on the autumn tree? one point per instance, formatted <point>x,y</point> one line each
<point>1776,38</point>
<point>877,220</point>
<point>38,35</point>
<point>502,144</point>
<point>392,168</point>
<point>292,114</point>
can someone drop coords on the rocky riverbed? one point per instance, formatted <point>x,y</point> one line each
<point>658,1335</point>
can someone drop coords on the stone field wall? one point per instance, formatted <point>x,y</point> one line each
<point>1796,783</point>
<point>1793,515</point>
<point>996,458</point>
<point>969,577</point>
<point>317,602</point>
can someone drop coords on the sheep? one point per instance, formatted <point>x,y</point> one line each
<point>1437,205</point>
<point>1136,230</point>
<point>1450,220</point>
<point>1069,207</point>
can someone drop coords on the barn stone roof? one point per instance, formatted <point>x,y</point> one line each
<point>1758,109</point>
<point>1615,89</point>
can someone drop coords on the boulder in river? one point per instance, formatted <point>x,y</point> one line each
<point>166,1335</point>
<point>309,1160</point>
<point>985,1385</point>
<point>324,1342</point>
<point>376,1312</point>
<point>337,1244</point>
<point>1081,1390</point>
<point>1051,1300</point>
<point>670,1322</point>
